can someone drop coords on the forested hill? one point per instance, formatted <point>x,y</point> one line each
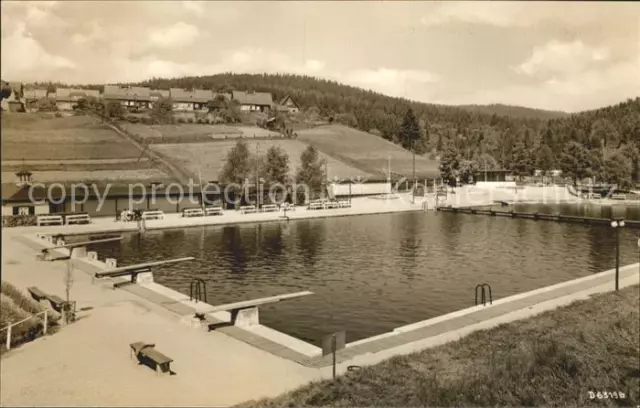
<point>514,111</point>
<point>602,143</point>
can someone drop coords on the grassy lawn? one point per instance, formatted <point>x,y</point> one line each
<point>553,359</point>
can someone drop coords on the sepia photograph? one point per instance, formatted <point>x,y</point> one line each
<point>320,203</point>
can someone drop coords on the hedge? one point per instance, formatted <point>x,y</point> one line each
<point>19,221</point>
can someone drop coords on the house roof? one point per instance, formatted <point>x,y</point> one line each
<point>253,98</point>
<point>132,93</point>
<point>73,94</point>
<point>159,93</point>
<point>282,108</point>
<point>198,95</point>
<point>286,98</point>
<point>12,192</point>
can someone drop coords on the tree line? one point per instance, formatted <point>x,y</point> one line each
<point>242,168</point>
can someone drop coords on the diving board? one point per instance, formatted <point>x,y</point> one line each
<point>245,313</point>
<point>134,270</point>
<point>81,246</point>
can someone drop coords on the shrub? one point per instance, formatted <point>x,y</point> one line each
<point>180,120</point>
<point>133,119</point>
<point>58,115</point>
<point>189,120</point>
<point>21,333</point>
<point>19,221</point>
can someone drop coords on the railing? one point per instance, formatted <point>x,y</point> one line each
<point>483,298</point>
<point>11,325</point>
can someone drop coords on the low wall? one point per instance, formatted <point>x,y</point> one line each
<point>496,184</point>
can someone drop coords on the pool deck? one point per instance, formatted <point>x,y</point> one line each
<point>87,362</point>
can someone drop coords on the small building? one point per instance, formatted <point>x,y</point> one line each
<point>190,100</point>
<point>21,198</point>
<point>67,98</point>
<point>494,178</point>
<point>289,104</point>
<point>133,98</point>
<point>253,101</point>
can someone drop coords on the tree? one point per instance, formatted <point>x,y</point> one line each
<point>618,170</point>
<point>82,104</point>
<point>575,162</point>
<point>217,104</point>
<point>410,133</point>
<point>310,172</point>
<point>162,111</point>
<point>449,165</point>
<point>238,166</point>
<point>276,166</point>
<point>521,159</point>
<point>114,110</point>
<point>544,159</point>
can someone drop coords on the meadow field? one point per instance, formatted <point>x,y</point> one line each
<point>210,157</point>
<point>370,153</point>
<point>192,133</point>
<point>70,148</point>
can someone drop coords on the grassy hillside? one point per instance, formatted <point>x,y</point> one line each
<point>367,152</point>
<point>553,359</point>
<point>210,157</point>
<point>70,149</point>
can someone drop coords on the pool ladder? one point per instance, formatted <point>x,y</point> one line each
<point>482,290</point>
<point>198,291</point>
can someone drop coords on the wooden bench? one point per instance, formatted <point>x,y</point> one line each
<point>37,294</point>
<point>344,204</point>
<point>316,206</point>
<point>269,208</point>
<point>144,351</point>
<point>618,196</point>
<point>56,302</point>
<point>213,210</point>
<point>192,212</point>
<point>77,219</point>
<point>331,204</point>
<point>49,220</point>
<point>288,207</point>
<point>152,215</point>
<point>246,209</point>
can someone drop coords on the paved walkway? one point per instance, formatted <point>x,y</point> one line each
<point>87,363</point>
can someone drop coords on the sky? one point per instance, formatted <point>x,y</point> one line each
<point>568,56</point>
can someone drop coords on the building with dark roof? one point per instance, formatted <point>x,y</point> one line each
<point>253,101</point>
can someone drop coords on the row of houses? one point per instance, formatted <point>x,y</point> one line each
<point>141,98</point>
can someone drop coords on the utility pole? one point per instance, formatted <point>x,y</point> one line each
<point>257,174</point>
<point>413,193</point>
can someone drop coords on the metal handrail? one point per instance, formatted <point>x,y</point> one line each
<point>23,320</point>
<point>483,287</point>
<point>200,290</point>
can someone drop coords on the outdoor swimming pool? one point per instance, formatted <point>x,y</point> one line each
<point>373,273</point>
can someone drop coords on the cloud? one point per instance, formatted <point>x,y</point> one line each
<point>564,58</point>
<point>26,53</point>
<point>178,35</point>
<point>511,13</point>
<point>193,6</point>
<point>589,89</point>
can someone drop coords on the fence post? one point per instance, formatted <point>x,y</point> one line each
<point>9,337</point>
<point>45,323</point>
